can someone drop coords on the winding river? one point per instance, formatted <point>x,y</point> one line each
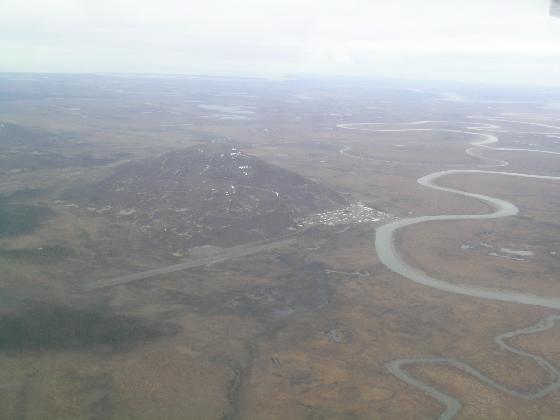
<point>389,256</point>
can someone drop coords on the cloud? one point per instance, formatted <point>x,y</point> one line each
<point>404,38</point>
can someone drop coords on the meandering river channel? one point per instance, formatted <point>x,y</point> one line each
<point>390,257</point>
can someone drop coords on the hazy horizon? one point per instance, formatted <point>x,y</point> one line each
<point>499,42</point>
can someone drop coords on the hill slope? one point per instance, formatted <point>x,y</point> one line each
<point>208,194</point>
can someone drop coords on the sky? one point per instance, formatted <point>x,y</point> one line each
<point>491,41</point>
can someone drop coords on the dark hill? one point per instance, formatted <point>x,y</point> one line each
<point>208,194</point>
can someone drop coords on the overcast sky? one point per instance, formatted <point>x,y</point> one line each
<point>510,41</point>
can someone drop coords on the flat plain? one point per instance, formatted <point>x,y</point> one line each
<point>269,194</point>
